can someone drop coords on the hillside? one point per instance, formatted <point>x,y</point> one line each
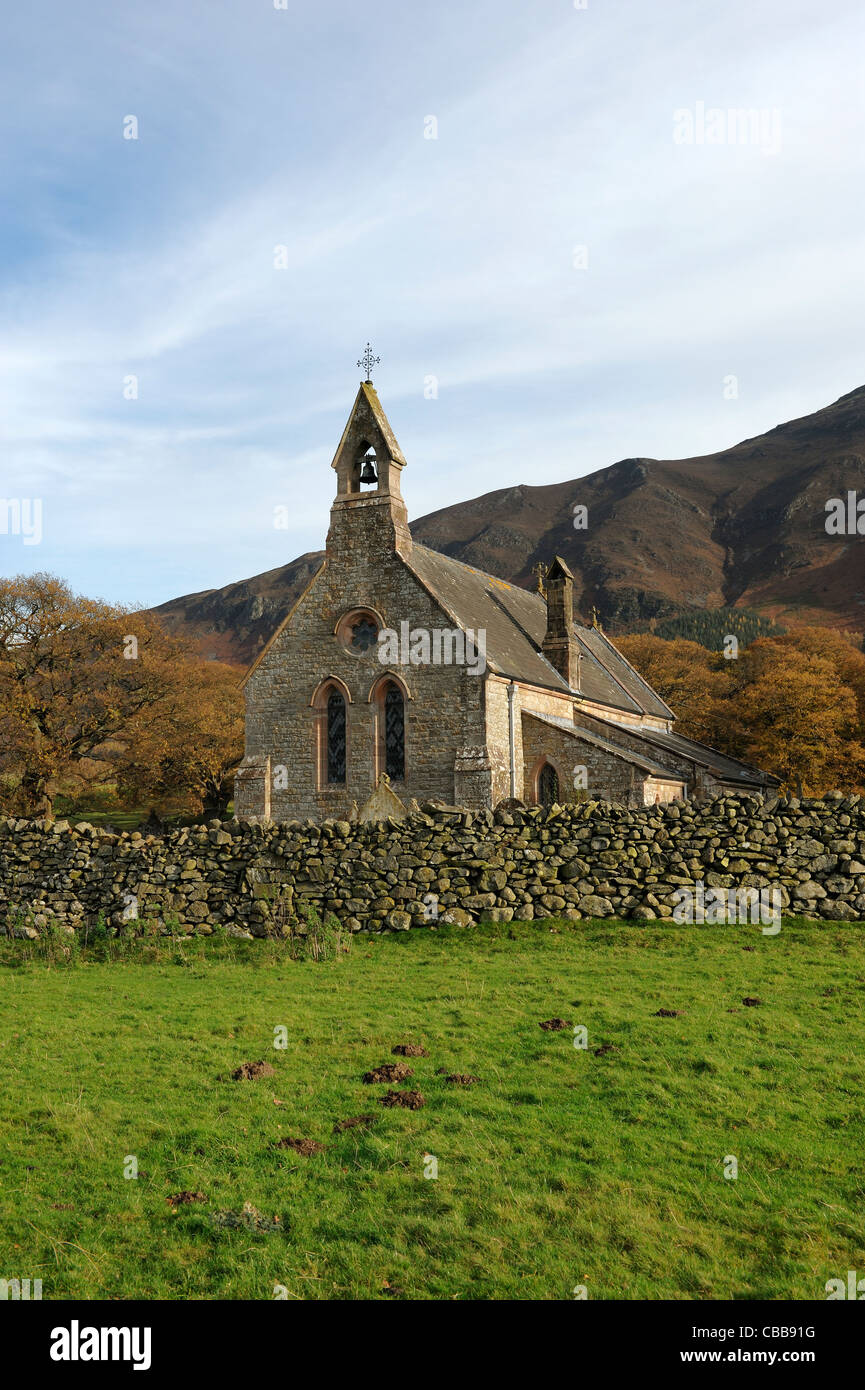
<point>742,527</point>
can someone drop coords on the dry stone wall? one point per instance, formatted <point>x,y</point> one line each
<point>590,860</point>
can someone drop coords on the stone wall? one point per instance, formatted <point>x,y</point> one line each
<point>591,860</point>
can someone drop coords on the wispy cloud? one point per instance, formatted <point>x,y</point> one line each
<point>258,129</point>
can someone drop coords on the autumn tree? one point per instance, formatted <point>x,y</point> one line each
<point>794,717</point>
<point>836,647</point>
<point>74,673</point>
<point>688,678</point>
<point>792,703</point>
<point>193,747</point>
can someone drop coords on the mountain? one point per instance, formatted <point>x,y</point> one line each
<point>744,527</point>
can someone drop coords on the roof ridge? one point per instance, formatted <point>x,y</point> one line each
<point>611,673</point>
<point>641,679</point>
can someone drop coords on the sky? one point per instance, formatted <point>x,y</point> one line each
<point>563,248</point>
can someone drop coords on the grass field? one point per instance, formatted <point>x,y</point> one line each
<point>559,1168</point>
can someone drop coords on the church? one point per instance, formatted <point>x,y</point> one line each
<point>402,675</point>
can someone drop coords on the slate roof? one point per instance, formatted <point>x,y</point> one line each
<point>721,765</point>
<point>623,673</point>
<point>515,622</point>
<point>617,750</point>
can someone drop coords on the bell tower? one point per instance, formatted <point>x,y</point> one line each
<point>368,508</point>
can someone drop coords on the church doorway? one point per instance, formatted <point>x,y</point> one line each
<point>548,785</point>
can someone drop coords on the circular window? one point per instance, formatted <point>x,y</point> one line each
<point>358,631</point>
<point>364,634</point>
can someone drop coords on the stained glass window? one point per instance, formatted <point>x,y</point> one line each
<point>363,635</point>
<point>394,733</point>
<point>335,737</point>
<point>548,785</point>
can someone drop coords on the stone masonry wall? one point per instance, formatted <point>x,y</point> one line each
<point>443,712</point>
<point>590,860</point>
<point>618,777</point>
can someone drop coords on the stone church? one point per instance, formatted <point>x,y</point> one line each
<point>404,672</point>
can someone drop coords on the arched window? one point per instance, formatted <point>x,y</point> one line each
<point>329,703</point>
<point>335,737</point>
<point>389,699</point>
<point>548,785</point>
<point>394,733</point>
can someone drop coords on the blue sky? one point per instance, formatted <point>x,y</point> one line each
<point>457,256</point>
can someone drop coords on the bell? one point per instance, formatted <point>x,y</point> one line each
<point>368,473</point>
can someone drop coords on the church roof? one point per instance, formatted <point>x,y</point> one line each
<point>622,672</point>
<point>617,750</point>
<point>515,621</point>
<point>721,765</point>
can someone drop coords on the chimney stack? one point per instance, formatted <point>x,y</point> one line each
<point>560,645</point>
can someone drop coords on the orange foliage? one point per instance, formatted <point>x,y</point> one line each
<point>194,746</point>
<point>793,704</point>
<point>85,683</point>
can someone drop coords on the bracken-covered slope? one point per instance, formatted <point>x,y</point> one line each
<point>746,527</point>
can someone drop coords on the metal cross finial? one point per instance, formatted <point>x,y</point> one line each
<point>368,362</point>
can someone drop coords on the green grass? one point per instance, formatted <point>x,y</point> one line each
<point>559,1169</point>
<point>99,805</point>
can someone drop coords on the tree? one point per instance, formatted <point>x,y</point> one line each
<point>712,626</point>
<point>194,745</point>
<point>690,679</point>
<point>792,703</point>
<point>834,646</point>
<point>792,716</point>
<point>74,674</point>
